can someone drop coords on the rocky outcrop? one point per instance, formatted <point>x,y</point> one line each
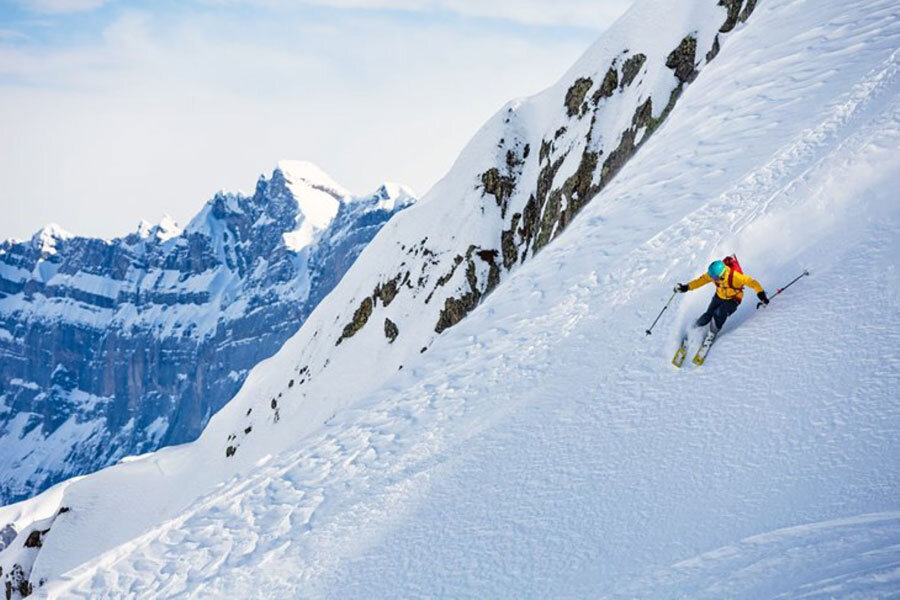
<point>390,330</point>
<point>631,68</point>
<point>576,94</point>
<point>360,318</point>
<point>608,86</point>
<point>552,204</point>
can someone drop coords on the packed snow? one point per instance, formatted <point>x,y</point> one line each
<point>544,446</point>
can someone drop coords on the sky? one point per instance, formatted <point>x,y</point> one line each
<point>113,111</point>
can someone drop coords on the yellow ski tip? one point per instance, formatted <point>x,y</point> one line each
<point>679,357</point>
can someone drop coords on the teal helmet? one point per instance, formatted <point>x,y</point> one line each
<point>716,269</point>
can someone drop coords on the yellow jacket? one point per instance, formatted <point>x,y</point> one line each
<point>730,286</point>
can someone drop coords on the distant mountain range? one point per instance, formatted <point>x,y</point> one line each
<point>110,348</point>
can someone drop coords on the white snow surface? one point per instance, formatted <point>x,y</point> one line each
<point>544,446</point>
<point>319,198</point>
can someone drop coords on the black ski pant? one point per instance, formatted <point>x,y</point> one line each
<point>718,311</point>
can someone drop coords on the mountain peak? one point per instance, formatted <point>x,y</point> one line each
<point>167,228</point>
<point>301,172</point>
<point>318,198</point>
<point>390,192</point>
<point>47,236</point>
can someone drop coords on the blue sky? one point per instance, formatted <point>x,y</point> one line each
<point>118,110</point>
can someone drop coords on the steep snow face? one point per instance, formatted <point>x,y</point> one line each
<point>117,347</point>
<point>420,437</point>
<point>318,198</point>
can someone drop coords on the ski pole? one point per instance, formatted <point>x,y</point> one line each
<point>661,312</point>
<point>779,290</point>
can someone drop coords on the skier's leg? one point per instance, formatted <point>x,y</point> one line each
<point>710,310</point>
<point>721,313</point>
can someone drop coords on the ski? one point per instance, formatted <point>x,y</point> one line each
<point>678,359</point>
<point>700,357</point>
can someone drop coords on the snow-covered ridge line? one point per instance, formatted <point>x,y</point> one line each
<point>116,347</point>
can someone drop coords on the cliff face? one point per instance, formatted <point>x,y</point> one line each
<point>118,347</point>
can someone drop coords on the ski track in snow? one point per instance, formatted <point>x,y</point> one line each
<point>847,558</point>
<point>482,471</point>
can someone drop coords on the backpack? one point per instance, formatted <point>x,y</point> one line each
<point>732,263</point>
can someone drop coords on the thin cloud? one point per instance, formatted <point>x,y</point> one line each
<point>61,6</point>
<point>157,111</point>
<point>596,14</point>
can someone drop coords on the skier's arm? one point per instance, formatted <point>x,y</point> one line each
<point>745,280</point>
<point>700,281</point>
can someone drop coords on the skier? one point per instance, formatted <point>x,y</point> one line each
<point>730,282</point>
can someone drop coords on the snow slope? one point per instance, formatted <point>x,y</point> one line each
<point>543,446</point>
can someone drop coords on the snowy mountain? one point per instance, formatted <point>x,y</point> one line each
<point>114,348</point>
<point>475,411</point>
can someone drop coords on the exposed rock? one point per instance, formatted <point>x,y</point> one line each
<point>619,156</point>
<point>682,60</point>
<point>607,86</point>
<point>530,216</point>
<point>502,186</point>
<point>643,115</point>
<point>549,219</point>
<point>579,189</point>
<point>631,68</point>
<point>455,309</point>
<point>748,10</point>
<point>17,581</point>
<point>443,279</point>
<point>35,538</point>
<point>575,95</point>
<point>359,319</point>
<point>534,214</point>
<point>387,291</point>
<point>229,451</point>
<point>508,242</point>
<point>544,152</point>
<point>714,51</point>
<point>734,9</point>
<point>390,330</point>
<point>493,280</point>
<point>498,186</point>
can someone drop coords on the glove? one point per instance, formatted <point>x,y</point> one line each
<point>681,288</point>
<point>763,298</point>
